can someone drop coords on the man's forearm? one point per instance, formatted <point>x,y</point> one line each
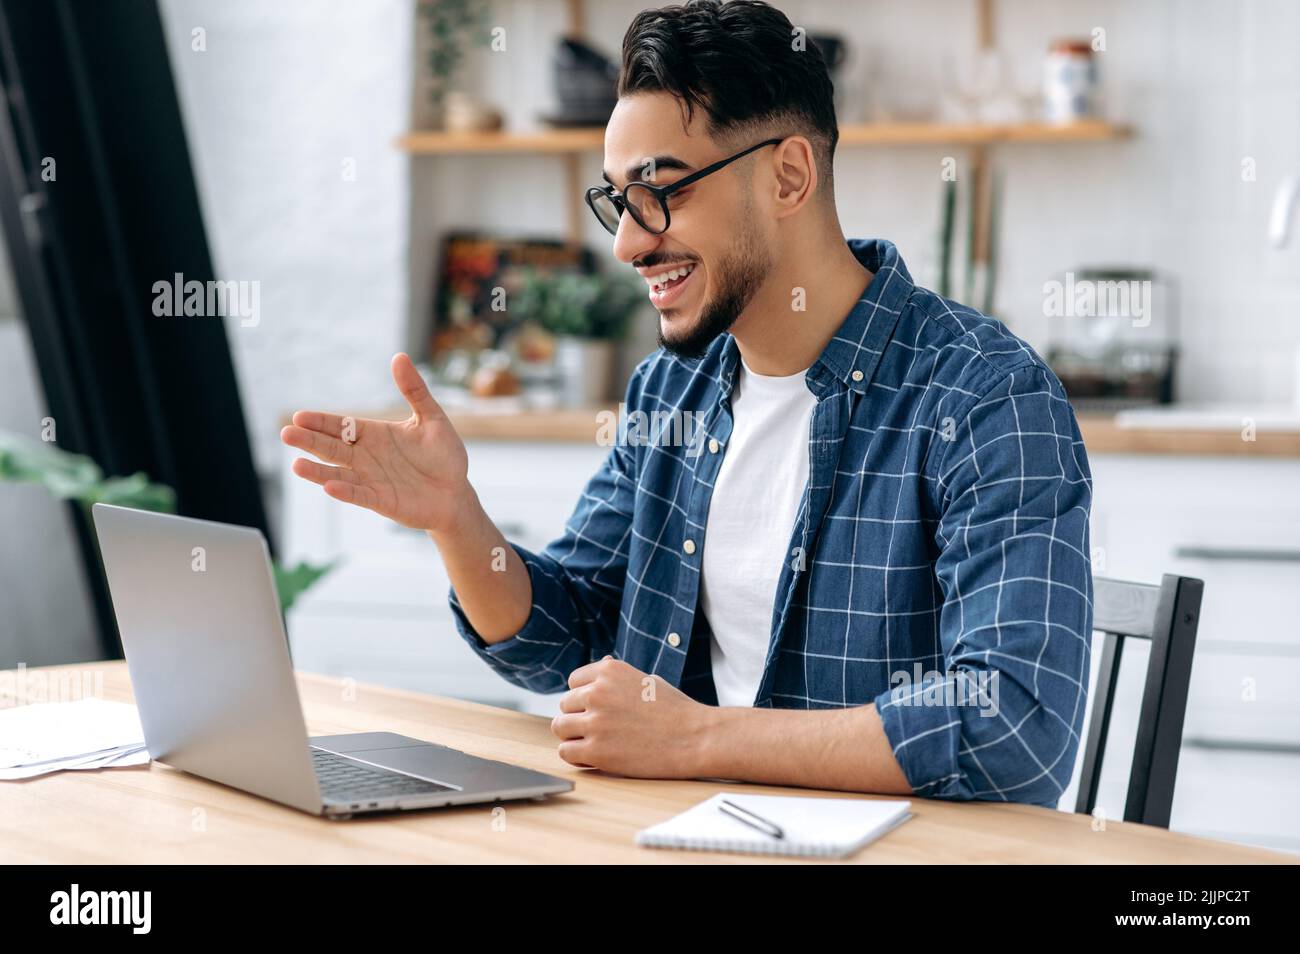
<point>843,749</point>
<point>490,580</point>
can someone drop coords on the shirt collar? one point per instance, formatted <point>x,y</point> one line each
<point>854,351</point>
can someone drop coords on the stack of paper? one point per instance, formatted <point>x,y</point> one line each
<point>52,736</point>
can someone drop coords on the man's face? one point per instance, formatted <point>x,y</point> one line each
<point>713,229</point>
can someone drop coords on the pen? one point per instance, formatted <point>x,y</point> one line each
<point>750,819</point>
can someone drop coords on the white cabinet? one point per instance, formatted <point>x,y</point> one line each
<point>381,615</point>
<point>1234,523</point>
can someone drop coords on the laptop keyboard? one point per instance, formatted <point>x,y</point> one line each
<point>347,780</point>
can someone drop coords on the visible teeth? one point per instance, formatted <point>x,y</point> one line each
<point>658,281</point>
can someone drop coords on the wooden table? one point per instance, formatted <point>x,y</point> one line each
<point>156,814</point>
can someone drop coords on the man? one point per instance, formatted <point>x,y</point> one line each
<point>869,570</point>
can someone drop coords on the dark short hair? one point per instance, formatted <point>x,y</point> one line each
<point>740,63</point>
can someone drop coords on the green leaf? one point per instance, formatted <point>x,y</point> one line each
<point>291,583</point>
<point>583,306</point>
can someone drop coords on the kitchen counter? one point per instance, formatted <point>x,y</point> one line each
<point>1107,434</point>
<point>1149,432</point>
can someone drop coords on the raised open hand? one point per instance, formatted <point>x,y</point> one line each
<point>412,471</point>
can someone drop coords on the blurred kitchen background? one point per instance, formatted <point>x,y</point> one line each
<point>380,168</point>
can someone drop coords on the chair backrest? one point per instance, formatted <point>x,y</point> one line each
<point>1167,615</point>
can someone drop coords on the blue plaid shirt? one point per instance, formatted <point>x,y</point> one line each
<point>939,560</point>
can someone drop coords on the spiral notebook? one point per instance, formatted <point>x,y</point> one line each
<point>813,827</point>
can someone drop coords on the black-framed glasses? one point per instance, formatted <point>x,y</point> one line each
<point>648,204</point>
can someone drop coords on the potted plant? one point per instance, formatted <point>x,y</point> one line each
<point>589,316</point>
<point>452,25</point>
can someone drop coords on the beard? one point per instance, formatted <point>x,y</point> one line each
<point>739,276</point>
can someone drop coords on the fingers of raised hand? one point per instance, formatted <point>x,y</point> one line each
<point>318,444</point>
<point>320,473</point>
<point>338,482</point>
<point>347,429</point>
<point>413,388</point>
<point>352,493</point>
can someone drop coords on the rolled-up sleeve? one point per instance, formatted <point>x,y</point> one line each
<point>577,583</point>
<point>1003,721</point>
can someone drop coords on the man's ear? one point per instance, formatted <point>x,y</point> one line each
<point>796,175</point>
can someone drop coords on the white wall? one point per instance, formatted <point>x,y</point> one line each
<point>286,91</point>
<point>1205,83</point>
<point>284,94</point>
<point>45,610</point>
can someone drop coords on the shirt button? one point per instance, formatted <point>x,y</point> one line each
<point>689,547</point>
<point>856,375</point>
<point>674,640</point>
<point>713,445</point>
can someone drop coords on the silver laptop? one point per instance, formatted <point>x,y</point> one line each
<point>205,644</point>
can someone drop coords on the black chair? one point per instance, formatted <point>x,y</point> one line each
<point>1167,615</point>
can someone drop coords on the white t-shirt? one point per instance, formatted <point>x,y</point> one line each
<point>751,515</point>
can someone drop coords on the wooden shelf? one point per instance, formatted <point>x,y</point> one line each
<point>559,141</point>
<point>592,138</point>
<point>980,134</point>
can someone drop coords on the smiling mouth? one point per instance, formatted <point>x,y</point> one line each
<point>666,285</point>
